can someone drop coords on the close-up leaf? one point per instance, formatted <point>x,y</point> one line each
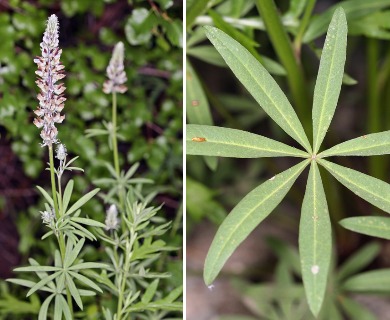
<point>372,226</point>
<point>373,190</point>
<point>315,240</point>
<point>225,142</point>
<point>367,145</point>
<point>376,281</point>
<point>241,221</point>
<point>256,79</point>
<point>329,79</point>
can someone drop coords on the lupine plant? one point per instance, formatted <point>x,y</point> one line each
<point>315,232</point>
<point>63,281</point>
<point>132,225</point>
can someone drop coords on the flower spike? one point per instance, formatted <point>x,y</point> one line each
<point>50,70</point>
<point>116,72</point>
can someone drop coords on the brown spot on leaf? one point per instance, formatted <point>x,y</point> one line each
<point>198,139</point>
<point>195,103</point>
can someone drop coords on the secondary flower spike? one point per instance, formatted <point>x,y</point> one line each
<point>50,70</point>
<point>116,72</point>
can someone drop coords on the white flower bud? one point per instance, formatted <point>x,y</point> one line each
<point>112,220</point>
<point>48,216</point>
<point>61,152</point>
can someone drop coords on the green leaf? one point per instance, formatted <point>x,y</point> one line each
<point>330,76</point>
<point>259,83</point>
<point>296,7</point>
<point>354,9</point>
<point>359,260</point>
<point>225,142</point>
<point>82,201</point>
<point>43,282</point>
<point>57,308</point>
<point>65,308</point>
<point>371,226</point>
<point>73,290</point>
<point>85,280</point>
<point>366,187</point>
<point>150,291</point>
<point>253,209</point>
<point>198,110</point>
<point>71,255</point>
<point>37,269</point>
<point>354,310</point>
<point>372,281</point>
<point>367,145</point>
<point>88,265</point>
<point>89,222</point>
<point>315,240</point>
<point>45,305</point>
<point>67,195</point>
<point>194,10</point>
<point>46,195</point>
<point>207,54</point>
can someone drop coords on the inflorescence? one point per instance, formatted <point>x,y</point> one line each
<point>116,72</point>
<point>50,70</point>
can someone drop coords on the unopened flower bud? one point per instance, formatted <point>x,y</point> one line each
<point>112,220</point>
<point>48,217</point>
<point>61,152</point>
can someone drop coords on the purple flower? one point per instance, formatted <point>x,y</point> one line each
<point>50,70</point>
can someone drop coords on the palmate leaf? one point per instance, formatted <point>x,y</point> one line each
<point>259,83</point>
<point>367,145</point>
<point>373,190</point>
<point>371,226</point>
<point>253,209</point>
<point>330,77</point>
<point>315,240</point>
<point>225,142</point>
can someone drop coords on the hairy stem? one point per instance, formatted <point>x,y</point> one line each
<point>125,272</point>
<point>60,237</point>
<point>53,182</point>
<point>115,147</point>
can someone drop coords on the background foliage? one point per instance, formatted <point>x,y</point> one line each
<point>150,114</point>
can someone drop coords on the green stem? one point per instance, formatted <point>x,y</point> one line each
<point>115,147</point>
<point>302,27</point>
<point>114,138</point>
<point>126,269</point>
<point>285,53</point>
<point>61,239</point>
<point>53,182</point>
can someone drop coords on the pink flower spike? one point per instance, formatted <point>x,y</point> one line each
<point>50,70</point>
